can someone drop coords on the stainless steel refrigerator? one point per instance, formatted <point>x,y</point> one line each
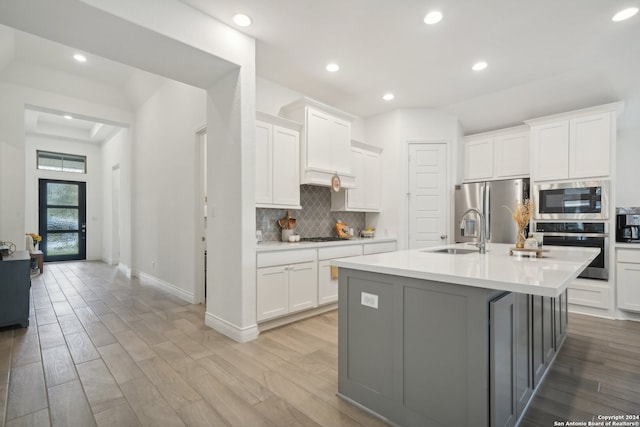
<point>490,198</point>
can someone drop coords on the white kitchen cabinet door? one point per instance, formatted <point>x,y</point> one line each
<point>319,146</point>
<point>264,165</point>
<point>303,286</point>
<point>286,166</point>
<point>511,155</point>
<point>628,286</point>
<point>355,196</point>
<point>372,166</point>
<point>340,139</point>
<point>327,288</point>
<point>628,280</point>
<point>272,292</point>
<point>550,147</point>
<point>277,166</point>
<point>589,146</point>
<point>478,159</point>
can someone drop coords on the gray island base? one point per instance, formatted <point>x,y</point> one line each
<point>422,352</point>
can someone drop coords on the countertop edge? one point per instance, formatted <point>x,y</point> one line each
<point>478,282</point>
<point>285,246</point>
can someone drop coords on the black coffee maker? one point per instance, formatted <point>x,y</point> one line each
<point>628,225</point>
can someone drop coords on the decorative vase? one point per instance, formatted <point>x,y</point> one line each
<point>520,238</point>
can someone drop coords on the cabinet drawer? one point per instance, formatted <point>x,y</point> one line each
<point>590,296</point>
<point>377,248</point>
<point>339,252</point>
<point>629,255</point>
<point>267,259</point>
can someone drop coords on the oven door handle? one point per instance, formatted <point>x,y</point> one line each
<point>575,234</point>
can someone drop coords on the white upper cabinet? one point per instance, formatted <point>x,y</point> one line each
<point>277,167</point>
<point>590,146</point>
<point>497,155</point>
<point>365,197</point>
<point>478,159</point>
<point>574,145</point>
<point>326,142</point>
<point>550,151</point>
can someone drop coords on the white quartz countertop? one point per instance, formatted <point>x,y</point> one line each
<point>279,246</point>
<point>547,276</point>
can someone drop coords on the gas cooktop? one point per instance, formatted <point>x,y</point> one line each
<point>320,239</point>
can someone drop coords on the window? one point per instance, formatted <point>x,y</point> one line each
<point>62,162</point>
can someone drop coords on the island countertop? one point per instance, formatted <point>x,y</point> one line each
<point>547,276</point>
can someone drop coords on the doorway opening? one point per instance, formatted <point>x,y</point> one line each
<point>63,219</point>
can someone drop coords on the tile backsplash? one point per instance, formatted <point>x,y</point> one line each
<point>315,219</point>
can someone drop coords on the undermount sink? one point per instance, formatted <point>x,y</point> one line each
<point>453,251</point>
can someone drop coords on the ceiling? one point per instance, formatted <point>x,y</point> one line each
<point>544,56</point>
<point>51,124</point>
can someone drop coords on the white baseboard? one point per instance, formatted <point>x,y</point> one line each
<point>126,270</point>
<point>234,332</point>
<point>166,286</point>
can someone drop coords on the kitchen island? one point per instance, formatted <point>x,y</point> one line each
<point>431,338</point>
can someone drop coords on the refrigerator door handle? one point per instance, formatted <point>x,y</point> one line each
<point>487,211</point>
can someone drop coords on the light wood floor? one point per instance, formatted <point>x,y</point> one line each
<point>105,350</point>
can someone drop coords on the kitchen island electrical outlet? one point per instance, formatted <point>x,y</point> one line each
<point>369,300</point>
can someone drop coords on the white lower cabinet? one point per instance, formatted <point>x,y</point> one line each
<point>286,289</point>
<point>286,282</point>
<point>290,281</point>
<point>628,279</point>
<point>272,292</point>
<point>328,278</point>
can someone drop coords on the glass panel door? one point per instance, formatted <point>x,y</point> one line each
<point>63,220</point>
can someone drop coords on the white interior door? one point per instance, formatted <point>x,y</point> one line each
<point>428,196</point>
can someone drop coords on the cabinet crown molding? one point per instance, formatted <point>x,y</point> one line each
<point>502,131</point>
<point>277,120</point>
<point>617,107</point>
<point>310,102</point>
<point>365,146</point>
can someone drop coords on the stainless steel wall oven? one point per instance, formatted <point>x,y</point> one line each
<point>584,234</point>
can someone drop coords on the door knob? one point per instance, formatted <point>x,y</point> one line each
<point>443,236</point>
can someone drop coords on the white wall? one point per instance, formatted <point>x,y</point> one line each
<point>165,185</point>
<point>392,131</point>
<point>93,179</point>
<point>116,154</point>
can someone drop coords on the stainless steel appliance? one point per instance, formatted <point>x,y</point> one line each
<point>583,234</point>
<point>628,225</point>
<point>572,201</point>
<point>492,199</point>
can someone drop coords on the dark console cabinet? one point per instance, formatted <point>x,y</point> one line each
<point>15,283</point>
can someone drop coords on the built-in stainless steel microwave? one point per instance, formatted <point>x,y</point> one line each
<point>576,200</point>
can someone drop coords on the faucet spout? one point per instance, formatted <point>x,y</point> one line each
<point>482,246</point>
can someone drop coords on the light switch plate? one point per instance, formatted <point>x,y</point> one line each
<point>369,300</point>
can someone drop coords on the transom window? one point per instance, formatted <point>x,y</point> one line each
<point>62,162</point>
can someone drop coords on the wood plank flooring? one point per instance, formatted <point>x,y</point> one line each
<point>105,350</point>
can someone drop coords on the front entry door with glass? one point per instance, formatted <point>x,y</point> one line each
<point>63,214</point>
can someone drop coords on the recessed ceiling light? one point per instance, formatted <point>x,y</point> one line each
<point>80,58</point>
<point>624,14</point>
<point>388,96</point>
<point>332,68</point>
<point>433,17</point>
<point>479,66</point>
<point>67,116</point>
<point>242,20</point>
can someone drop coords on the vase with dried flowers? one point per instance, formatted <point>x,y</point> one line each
<point>521,214</point>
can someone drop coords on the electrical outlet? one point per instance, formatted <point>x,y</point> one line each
<point>369,300</point>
